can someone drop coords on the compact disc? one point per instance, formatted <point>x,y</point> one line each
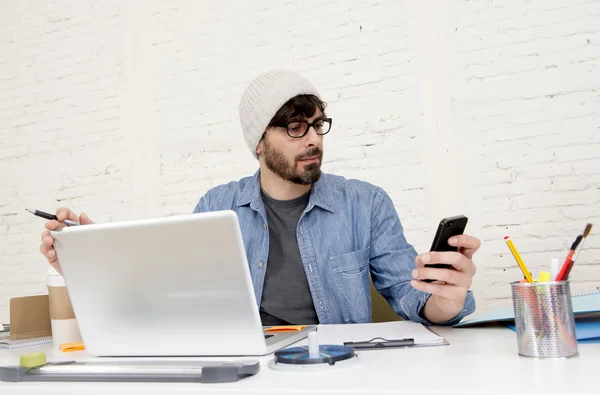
<point>328,354</point>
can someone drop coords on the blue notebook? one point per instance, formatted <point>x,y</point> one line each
<point>585,304</point>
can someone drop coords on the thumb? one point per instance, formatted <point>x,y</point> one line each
<point>84,219</point>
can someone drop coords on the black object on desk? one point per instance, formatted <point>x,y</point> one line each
<point>381,343</point>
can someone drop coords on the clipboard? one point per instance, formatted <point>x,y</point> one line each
<point>381,336</point>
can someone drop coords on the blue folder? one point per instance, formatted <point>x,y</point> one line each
<point>584,305</point>
<point>586,330</point>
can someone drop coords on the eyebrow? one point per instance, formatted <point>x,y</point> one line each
<point>299,118</point>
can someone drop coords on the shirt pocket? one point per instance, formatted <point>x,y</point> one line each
<point>351,274</point>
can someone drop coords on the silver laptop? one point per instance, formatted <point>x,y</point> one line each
<point>172,286</point>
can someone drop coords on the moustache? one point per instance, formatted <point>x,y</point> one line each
<point>315,151</point>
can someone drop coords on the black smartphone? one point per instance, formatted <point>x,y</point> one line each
<point>448,227</point>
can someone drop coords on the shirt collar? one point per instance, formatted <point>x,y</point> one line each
<point>320,195</point>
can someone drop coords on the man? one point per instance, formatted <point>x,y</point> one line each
<point>313,239</point>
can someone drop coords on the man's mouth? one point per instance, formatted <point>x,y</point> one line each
<point>310,159</point>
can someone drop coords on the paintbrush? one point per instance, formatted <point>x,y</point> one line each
<point>586,232</point>
<point>564,274</point>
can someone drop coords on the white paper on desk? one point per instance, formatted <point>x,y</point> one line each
<point>340,333</point>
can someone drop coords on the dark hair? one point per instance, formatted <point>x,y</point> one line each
<point>298,106</point>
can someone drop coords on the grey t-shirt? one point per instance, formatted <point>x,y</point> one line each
<point>286,298</point>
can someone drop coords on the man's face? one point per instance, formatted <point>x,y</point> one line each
<point>297,160</point>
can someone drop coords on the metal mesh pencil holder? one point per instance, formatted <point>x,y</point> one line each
<point>544,320</point>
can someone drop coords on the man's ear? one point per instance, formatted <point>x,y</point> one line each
<point>259,146</point>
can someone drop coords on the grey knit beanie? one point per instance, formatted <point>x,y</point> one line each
<point>264,96</point>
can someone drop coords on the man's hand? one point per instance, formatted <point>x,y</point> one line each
<point>47,246</point>
<point>448,293</point>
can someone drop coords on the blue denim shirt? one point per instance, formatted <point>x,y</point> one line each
<point>348,232</point>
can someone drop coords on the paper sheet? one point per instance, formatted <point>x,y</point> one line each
<point>338,334</point>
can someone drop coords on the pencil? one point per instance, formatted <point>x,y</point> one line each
<point>517,257</point>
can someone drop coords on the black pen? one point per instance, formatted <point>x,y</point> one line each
<point>382,344</point>
<point>42,214</point>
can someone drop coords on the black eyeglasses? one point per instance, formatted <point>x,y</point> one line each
<point>298,129</point>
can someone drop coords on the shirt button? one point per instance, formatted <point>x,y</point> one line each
<point>265,225</point>
<point>260,264</point>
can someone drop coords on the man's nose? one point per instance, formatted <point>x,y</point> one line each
<point>312,138</point>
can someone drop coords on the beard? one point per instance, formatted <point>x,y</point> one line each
<point>276,162</point>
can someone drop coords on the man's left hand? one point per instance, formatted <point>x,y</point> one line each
<point>450,288</point>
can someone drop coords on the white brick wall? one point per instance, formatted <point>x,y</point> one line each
<point>525,99</point>
<point>128,109</point>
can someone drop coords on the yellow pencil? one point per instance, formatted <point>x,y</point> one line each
<point>518,259</point>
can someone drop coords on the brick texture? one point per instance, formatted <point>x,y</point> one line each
<point>129,110</point>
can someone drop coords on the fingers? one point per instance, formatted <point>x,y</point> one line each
<point>47,249</point>
<point>47,239</point>
<point>53,225</point>
<point>56,266</point>
<point>84,219</point>
<point>467,245</point>
<point>452,284</point>
<point>64,213</point>
<point>47,246</point>
<point>457,260</point>
<point>48,252</point>
<point>450,292</point>
<point>449,276</point>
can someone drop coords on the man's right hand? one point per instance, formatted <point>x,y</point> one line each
<point>47,246</point>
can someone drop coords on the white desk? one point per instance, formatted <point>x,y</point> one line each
<point>477,361</point>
